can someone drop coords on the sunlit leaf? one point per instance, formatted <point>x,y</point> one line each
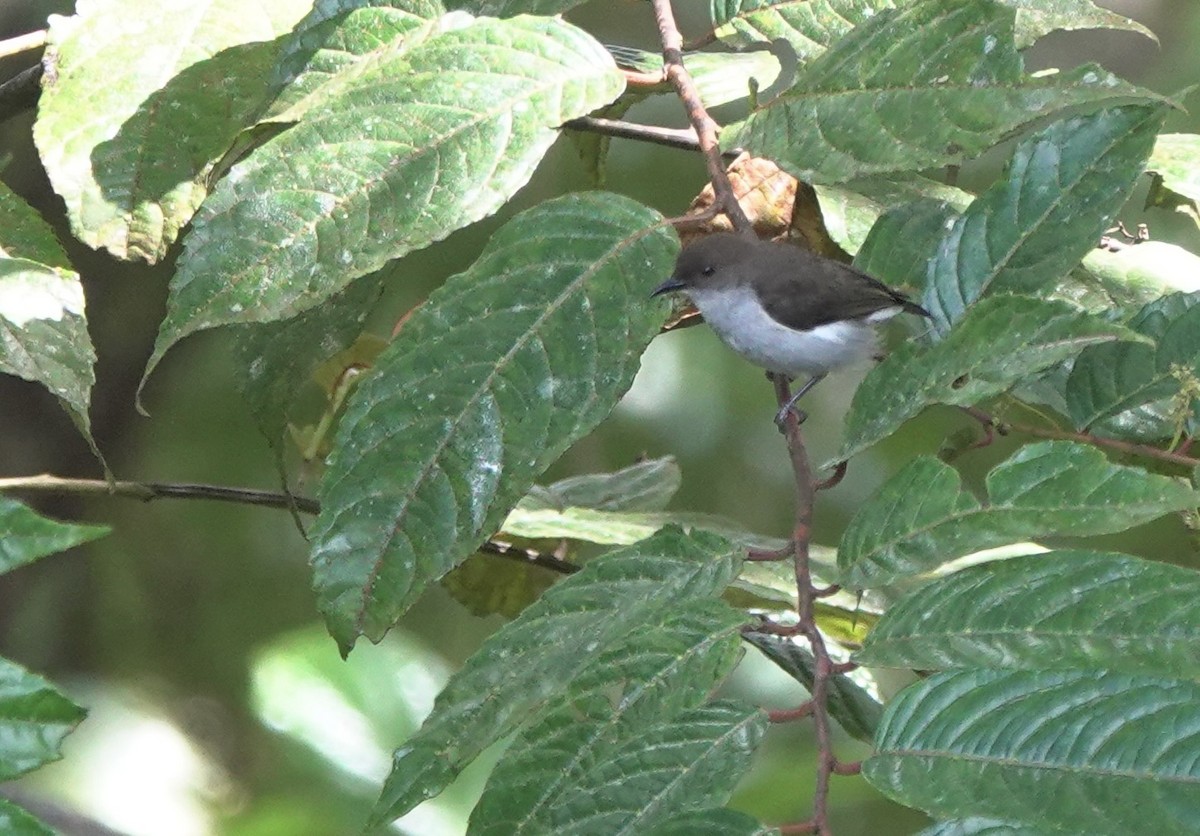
<point>489,382</point>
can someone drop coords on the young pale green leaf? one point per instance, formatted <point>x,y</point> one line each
<point>855,709</point>
<point>34,719</point>
<point>275,359</point>
<point>1001,341</point>
<point>592,621</point>
<point>1062,187</point>
<point>44,336</point>
<point>149,74</point>
<point>718,821</point>
<point>1176,159</point>
<point>1108,380</point>
<point>941,80</point>
<point>645,486</point>
<point>489,382</point>
<point>552,778</point>
<point>922,517</point>
<point>720,77</point>
<point>897,249</point>
<point>851,210</point>
<point>422,144</point>
<point>811,27</point>
<point>26,537</point>
<point>1090,752</point>
<point>16,822</point>
<point>335,38</point>
<point>979,826</point>
<point>1065,609</point>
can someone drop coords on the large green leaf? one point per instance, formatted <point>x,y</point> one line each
<point>810,26</point>
<point>34,719</point>
<point>851,210</point>
<point>913,88</point>
<point>1065,609</point>
<point>576,768</point>
<point>593,626</point>
<point>1086,752</point>
<point>922,517</point>
<point>1062,187</point>
<point>501,370</point>
<point>979,826</point>
<point>896,251</point>
<point>423,143</point>
<point>147,75</point>
<point>1108,380</point>
<point>25,536</point>
<point>1002,340</point>
<point>719,821</point>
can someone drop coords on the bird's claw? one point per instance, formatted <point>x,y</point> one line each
<point>782,414</point>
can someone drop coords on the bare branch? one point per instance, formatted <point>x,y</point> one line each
<point>23,43</point>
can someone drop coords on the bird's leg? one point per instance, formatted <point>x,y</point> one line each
<point>790,406</point>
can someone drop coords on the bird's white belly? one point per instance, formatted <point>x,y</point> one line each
<point>740,321</point>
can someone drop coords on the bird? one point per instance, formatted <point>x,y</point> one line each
<point>785,309</point>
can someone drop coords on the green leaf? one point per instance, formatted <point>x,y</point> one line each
<point>192,71</point>
<point>26,537</point>
<point>1081,751</point>
<point>851,210</point>
<point>1000,342</point>
<point>1139,274</point>
<point>424,143</point>
<point>876,102</point>
<point>337,41</point>
<point>1064,609</point>
<point>593,622</point>
<point>511,8</point>
<point>1108,380</point>
<point>855,709</point>
<point>34,719</point>
<point>922,517</point>
<point>487,586</point>
<point>488,383</point>
<point>645,486</point>
<point>588,765</point>
<point>897,249</point>
<point>713,822</point>
<point>1176,159</point>
<point>1062,187</point>
<point>720,77</point>
<point>24,234</point>
<point>810,27</point>
<point>44,336</point>
<point>276,359</point>
<point>16,822</point>
<point>979,826</point>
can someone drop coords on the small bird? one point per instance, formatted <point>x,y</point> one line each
<point>783,308</point>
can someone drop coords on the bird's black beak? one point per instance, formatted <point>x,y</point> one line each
<point>669,286</point>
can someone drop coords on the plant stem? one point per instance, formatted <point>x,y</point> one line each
<point>23,43</point>
<point>682,138</point>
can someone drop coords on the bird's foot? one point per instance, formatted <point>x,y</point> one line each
<point>782,414</point>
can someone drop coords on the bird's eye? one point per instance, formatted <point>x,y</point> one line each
<point>708,271</point>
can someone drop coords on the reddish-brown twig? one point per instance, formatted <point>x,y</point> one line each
<point>787,715</point>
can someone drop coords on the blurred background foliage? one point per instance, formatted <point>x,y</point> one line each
<point>217,703</point>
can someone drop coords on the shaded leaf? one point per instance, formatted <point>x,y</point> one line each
<point>585,628</point>
<point>851,209</point>
<point>979,826</point>
<point>1001,341</point>
<point>1082,751</point>
<point>510,8</point>
<point>1108,380</point>
<point>1064,609</point>
<point>856,710</point>
<point>645,486</point>
<point>421,145</point>
<point>25,536</point>
<point>829,127</point>
<point>149,75</point>
<point>922,518</point>
<point>487,384</point>
<point>1062,187</point>
<point>898,249</point>
<point>34,719</point>
<point>44,336</point>
<point>714,822</point>
<point>487,586</point>
<point>25,234</point>
<point>16,822</point>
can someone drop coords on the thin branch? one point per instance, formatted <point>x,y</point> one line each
<point>806,596</point>
<point>1128,447</point>
<point>636,78</point>
<point>23,43</point>
<point>682,138</point>
<point>150,491</point>
<point>787,715</point>
<point>20,92</point>
<point>706,128</point>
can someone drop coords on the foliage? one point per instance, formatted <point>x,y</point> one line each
<point>296,149</point>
